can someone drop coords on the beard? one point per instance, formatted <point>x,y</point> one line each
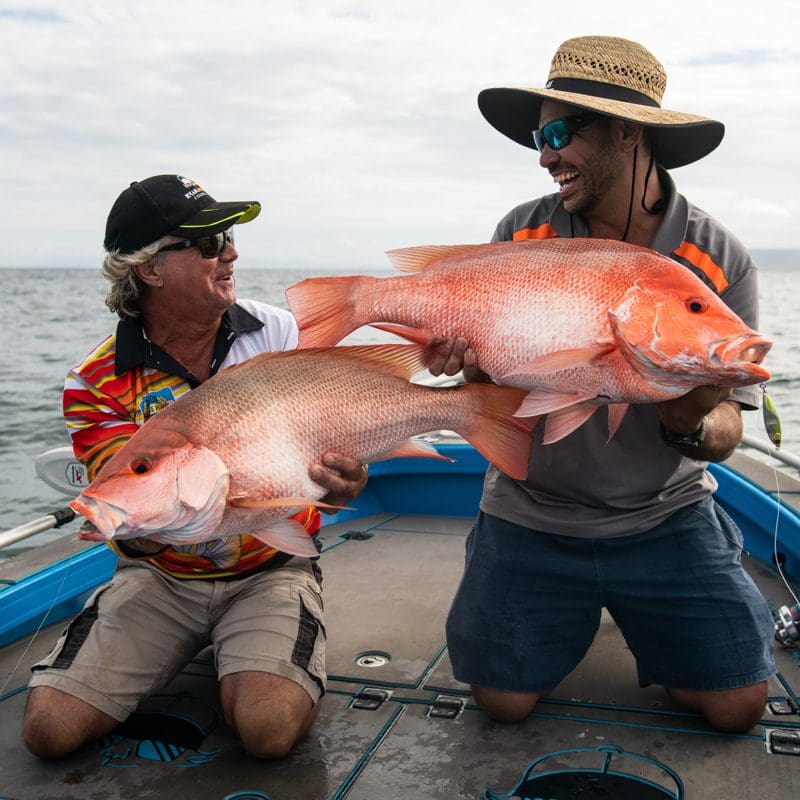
<point>600,173</point>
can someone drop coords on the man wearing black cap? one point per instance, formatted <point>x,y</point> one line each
<point>170,259</point>
<point>629,524</point>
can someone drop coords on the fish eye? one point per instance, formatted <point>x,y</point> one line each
<point>141,465</point>
<point>696,305</point>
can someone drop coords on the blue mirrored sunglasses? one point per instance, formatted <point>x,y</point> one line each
<point>557,133</point>
<point>210,246</point>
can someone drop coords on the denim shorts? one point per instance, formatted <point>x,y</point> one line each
<point>529,604</point>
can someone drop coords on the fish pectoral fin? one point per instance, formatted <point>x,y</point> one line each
<point>562,359</point>
<point>561,423</point>
<point>415,448</point>
<point>245,501</point>
<point>616,413</point>
<point>288,536</point>
<point>545,401</point>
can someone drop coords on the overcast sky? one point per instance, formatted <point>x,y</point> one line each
<point>355,122</point>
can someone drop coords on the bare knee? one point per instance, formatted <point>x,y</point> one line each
<point>56,724</point>
<point>730,710</point>
<point>268,713</point>
<point>504,706</point>
<point>267,740</point>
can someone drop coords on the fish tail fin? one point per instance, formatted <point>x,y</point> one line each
<point>495,432</point>
<point>324,309</point>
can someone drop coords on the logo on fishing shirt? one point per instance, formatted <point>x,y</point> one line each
<point>153,402</point>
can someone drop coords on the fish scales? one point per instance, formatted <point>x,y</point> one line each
<point>578,323</point>
<point>233,455</point>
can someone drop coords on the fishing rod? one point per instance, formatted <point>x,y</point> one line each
<point>59,469</point>
<point>55,519</point>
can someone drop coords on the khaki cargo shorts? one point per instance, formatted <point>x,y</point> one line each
<point>137,632</point>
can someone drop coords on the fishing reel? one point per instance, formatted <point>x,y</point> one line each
<point>787,628</point>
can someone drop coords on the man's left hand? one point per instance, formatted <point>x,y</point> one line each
<point>343,477</point>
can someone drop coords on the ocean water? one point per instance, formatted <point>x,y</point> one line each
<point>52,317</point>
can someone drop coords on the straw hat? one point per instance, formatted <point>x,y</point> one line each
<point>615,77</point>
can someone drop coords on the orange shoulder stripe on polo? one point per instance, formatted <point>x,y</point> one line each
<point>544,231</point>
<point>697,258</point>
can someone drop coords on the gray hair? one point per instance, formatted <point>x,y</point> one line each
<point>127,289</point>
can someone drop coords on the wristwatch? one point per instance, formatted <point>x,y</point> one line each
<point>683,440</point>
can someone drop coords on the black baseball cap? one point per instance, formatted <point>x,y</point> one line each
<point>170,205</point>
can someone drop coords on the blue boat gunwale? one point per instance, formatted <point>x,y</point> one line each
<point>449,488</point>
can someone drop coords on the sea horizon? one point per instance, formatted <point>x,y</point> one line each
<point>774,259</point>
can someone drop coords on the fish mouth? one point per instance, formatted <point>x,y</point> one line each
<point>740,350</point>
<point>110,521</point>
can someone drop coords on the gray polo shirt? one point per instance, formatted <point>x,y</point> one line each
<point>583,485</point>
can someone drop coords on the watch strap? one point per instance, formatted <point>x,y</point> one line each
<point>683,440</point>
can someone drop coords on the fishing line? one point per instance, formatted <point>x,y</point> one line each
<point>41,625</point>
<point>770,427</point>
<point>775,557</point>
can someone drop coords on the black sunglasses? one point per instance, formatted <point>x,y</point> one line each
<point>210,246</point>
<point>557,133</point>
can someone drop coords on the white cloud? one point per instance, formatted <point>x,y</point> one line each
<point>355,122</point>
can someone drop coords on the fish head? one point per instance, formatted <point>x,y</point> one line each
<point>158,483</point>
<point>674,331</point>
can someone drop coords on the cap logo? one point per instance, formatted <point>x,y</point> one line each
<point>195,189</point>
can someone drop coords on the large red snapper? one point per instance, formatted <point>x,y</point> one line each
<point>579,323</point>
<point>232,456</point>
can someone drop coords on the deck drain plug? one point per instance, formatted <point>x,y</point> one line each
<point>373,659</point>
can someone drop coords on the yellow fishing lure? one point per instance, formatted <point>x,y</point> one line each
<point>772,420</point>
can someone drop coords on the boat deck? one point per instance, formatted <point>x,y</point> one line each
<point>396,724</point>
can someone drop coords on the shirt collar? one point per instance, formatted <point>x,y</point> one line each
<point>134,349</point>
<point>669,235</point>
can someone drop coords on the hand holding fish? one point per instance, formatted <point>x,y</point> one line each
<point>705,405</point>
<point>686,413</point>
<point>451,356</point>
<point>343,477</point>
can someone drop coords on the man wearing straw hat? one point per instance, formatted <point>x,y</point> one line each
<point>630,524</point>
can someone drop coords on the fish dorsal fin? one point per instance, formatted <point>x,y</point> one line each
<point>416,335</point>
<point>400,360</point>
<point>562,359</point>
<point>419,259</point>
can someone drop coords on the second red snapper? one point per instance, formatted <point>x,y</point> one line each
<point>579,323</point>
<point>232,456</point>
